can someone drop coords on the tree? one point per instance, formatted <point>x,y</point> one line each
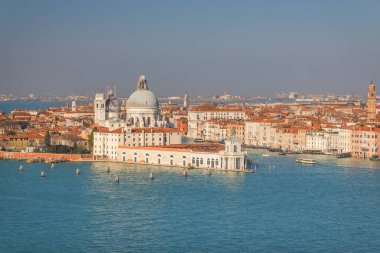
<point>91,139</point>
<point>47,139</point>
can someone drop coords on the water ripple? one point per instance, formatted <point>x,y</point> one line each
<point>284,207</point>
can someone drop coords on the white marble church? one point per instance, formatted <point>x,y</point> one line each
<point>141,126</point>
<point>142,136</point>
<point>142,109</point>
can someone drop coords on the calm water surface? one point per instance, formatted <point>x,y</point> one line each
<point>333,206</point>
<point>8,106</point>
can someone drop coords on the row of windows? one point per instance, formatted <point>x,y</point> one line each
<point>365,136</point>
<point>199,161</point>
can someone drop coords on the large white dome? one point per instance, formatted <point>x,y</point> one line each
<point>142,98</point>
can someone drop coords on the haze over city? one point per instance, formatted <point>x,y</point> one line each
<point>200,47</point>
<point>189,126</point>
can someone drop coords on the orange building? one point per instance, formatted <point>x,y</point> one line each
<point>365,141</point>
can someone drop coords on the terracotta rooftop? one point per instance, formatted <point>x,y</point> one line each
<point>204,148</point>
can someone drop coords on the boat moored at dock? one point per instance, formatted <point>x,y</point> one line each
<point>375,158</point>
<point>343,155</point>
<point>35,160</point>
<point>306,161</point>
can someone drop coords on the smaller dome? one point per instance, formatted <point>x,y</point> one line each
<point>115,106</point>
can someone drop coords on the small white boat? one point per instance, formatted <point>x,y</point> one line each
<point>43,174</point>
<point>52,165</point>
<point>21,168</point>
<point>152,176</point>
<point>306,160</point>
<point>78,171</point>
<point>265,155</point>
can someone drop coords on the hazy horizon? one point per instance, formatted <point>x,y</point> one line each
<point>247,48</point>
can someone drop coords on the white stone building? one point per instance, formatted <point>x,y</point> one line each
<point>215,130</point>
<point>107,142</point>
<point>344,140</point>
<point>212,156</point>
<point>261,132</point>
<point>199,114</point>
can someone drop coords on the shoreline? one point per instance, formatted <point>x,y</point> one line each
<point>246,171</point>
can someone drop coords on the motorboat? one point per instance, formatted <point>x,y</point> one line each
<point>306,160</point>
<point>343,155</point>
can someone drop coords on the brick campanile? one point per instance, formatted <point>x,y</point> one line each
<point>371,102</point>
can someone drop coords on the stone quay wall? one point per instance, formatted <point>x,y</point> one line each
<point>21,155</point>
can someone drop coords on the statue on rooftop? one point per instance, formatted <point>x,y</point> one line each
<point>142,83</point>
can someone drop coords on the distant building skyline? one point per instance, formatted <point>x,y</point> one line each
<point>250,48</point>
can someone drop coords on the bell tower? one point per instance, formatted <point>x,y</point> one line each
<point>185,101</point>
<point>371,103</point>
<point>100,107</point>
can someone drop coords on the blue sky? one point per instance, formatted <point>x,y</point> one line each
<point>246,48</point>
